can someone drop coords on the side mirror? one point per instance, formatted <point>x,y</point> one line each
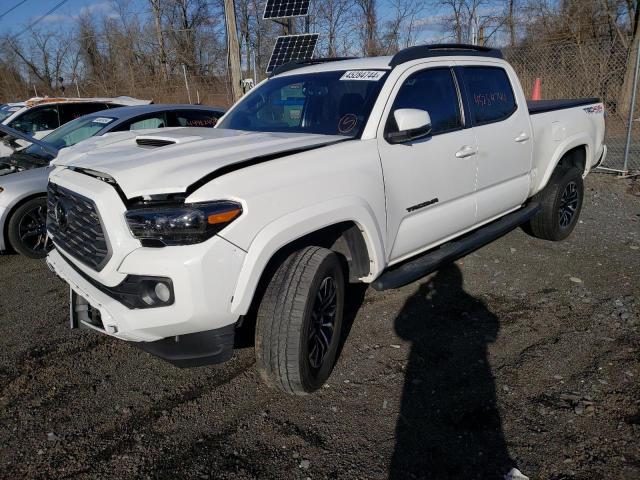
<point>412,125</point>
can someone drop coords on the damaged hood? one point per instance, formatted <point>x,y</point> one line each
<point>169,160</point>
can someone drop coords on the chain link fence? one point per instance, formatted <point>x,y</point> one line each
<point>601,69</point>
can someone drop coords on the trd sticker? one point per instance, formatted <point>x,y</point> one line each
<point>363,75</point>
<point>347,123</point>
<point>594,109</point>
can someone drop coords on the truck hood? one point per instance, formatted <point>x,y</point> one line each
<point>170,160</point>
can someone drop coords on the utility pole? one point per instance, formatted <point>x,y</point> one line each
<point>155,6</point>
<point>233,50</point>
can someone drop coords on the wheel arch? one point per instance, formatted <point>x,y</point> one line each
<point>349,230</point>
<point>5,226</point>
<point>576,152</point>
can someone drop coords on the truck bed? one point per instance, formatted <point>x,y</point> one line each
<point>542,106</point>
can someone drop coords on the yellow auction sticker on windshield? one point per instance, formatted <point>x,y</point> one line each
<point>363,75</point>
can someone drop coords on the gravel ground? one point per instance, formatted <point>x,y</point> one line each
<point>525,353</point>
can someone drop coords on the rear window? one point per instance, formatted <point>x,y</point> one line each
<point>490,94</point>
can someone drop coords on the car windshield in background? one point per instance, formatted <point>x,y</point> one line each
<point>73,132</point>
<point>7,110</point>
<point>328,103</point>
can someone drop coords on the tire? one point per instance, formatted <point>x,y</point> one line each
<point>293,353</point>
<point>27,229</point>
<point>561,202</point>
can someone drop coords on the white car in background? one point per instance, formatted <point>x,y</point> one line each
<point>24,174</point>
<point>39,116</point>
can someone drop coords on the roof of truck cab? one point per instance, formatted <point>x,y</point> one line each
<point>376,63</point>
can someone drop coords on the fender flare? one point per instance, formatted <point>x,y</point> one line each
<point>297,224</point>
<point>579,140</point>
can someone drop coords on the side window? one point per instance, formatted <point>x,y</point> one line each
<point>37,119</point>
<point>153,120</point>
<point>433,90</point>
<point>71,111</point>
<point>490,94</point>
<point>196,118</point>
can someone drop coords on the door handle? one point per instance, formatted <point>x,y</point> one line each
<point>523,137</point>
<point>466,151</point>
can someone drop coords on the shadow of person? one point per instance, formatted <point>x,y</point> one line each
<point>449,426</point>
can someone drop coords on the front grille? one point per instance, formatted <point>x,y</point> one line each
<point>74,225</point>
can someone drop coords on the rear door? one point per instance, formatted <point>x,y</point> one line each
<point>430,182</point>
<point>502,127</point>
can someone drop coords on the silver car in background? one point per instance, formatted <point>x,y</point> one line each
<point>24,174</point>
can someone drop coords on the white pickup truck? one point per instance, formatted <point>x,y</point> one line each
<point>372,170</point>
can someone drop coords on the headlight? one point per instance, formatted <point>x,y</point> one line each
<point>181,224</point>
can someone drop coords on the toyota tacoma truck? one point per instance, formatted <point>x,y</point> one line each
<point>374,170</point>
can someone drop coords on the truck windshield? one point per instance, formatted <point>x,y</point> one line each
<point>328,103</point>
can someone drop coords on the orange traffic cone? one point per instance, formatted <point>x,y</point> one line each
<point>537,90</point>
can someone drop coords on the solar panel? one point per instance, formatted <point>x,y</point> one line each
<point>286,8</point>
<point>292,47</point>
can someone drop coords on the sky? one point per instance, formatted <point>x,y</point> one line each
<point>28,11</point>
<point>31,10</point>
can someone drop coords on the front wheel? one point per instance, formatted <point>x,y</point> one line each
<point>561,202</point>
<point>299,321</point>
<point>27,229</point>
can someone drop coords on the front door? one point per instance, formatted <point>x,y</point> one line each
<point>430,182</point>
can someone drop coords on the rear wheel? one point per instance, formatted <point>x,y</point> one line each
<point>27,229</point>
<point>561,202</point>
<point>299,321</point>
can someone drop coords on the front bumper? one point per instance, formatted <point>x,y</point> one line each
<point>203,277</point>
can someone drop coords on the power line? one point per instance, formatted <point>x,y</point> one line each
<point>39,19</point>
<point>3,14</point>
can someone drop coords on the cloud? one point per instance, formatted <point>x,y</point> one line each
<point>55,18</point>
<point>99,8</point>
<point>105,8</point>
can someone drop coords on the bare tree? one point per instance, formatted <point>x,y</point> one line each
<point>400,29</point>
<point>330,19</point>
<point>370,24</point>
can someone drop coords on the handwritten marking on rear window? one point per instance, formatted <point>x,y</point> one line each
<point>488,99</point>
<point>363,75</point>
<point>202,122</point>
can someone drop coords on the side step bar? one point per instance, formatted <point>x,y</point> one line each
<point>414,269</point>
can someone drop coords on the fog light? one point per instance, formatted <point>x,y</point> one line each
<point>162,292</point>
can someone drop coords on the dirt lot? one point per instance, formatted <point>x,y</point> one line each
<point>524,354</point>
